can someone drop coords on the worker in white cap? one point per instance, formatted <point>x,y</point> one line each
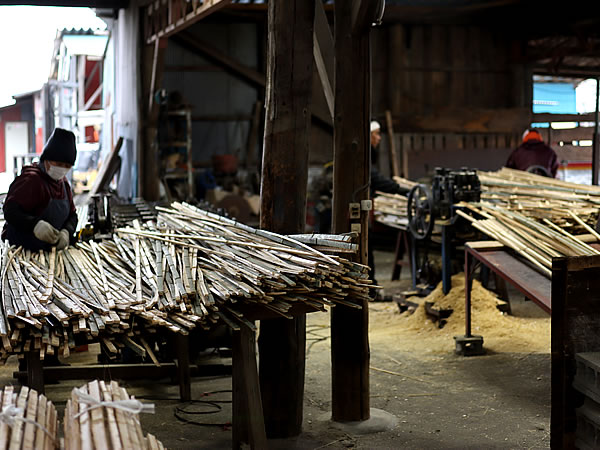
<point>379,183</point>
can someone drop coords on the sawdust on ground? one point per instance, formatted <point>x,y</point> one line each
<point>501,332</point>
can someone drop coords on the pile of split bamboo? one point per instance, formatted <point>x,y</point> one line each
<point>541,197</point>
<point>538,242</point>
<point>104,416</point>
<point>390,209</point>
<point>188,268</point>
<point>27,420</point>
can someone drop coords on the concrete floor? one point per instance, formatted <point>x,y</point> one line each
<point>442,401</point>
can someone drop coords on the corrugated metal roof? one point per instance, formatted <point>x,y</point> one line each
<point>92,45</point>
<point>82,32</point>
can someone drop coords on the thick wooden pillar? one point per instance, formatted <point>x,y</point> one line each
<point>153,56</point>
<point>282,342</point>
<point>349,327</point>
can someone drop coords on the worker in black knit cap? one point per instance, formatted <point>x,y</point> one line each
<point>39,209</point>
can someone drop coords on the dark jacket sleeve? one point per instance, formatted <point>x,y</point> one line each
<point>384,184</point>
<point>554,165</point>
<point>71,223</point>
<point>17,217</point>
<point>24,201</point>
<point>510,163</point>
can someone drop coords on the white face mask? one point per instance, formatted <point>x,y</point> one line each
<point>57,173</point>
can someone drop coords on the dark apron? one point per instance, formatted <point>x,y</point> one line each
<point>56,214</point>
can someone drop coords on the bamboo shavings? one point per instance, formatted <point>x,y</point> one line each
<point>502,332</point>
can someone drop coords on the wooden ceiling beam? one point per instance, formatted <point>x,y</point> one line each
<point>116,4</point>
<point>164,19</point>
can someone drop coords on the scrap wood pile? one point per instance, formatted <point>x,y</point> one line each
<point>189,268</point>
<point>390,209</point>
<point>98,415</point>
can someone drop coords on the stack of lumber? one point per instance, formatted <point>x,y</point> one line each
<point>390,209</point>
<point>189,268</point>
<point>404,182</point>
<point>541,197</point>
<point>102,416</point>
<point>27,420</point>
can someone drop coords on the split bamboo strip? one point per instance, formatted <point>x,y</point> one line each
<point>104,416</point>
<point>28,421</point>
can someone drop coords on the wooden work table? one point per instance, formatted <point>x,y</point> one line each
<point>514,270</point>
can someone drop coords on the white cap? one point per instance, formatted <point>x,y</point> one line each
<point>375,125</point>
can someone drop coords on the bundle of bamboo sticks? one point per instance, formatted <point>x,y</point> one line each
<point>390,209</point>
<point>102,416</point>
<point>189,268</point>
<point>538,242</point>
<point>27,420</point>
<point>541,197</point>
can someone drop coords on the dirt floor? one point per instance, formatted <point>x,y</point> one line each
<point>442,400</point>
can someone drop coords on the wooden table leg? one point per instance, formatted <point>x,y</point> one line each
<point>183,366</point>
<point>35,371</point>
<point>468,286</point>
<point>398,256</point>
<point>248,419</point>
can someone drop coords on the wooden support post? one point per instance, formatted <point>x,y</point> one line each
<point>253,135</point>
<point>153,57</point>
<point>182,347</point>
<point>392,139</point>
<point>35,371</point>
<point>324,54</point>
<point>596,139</point>
<point>282,342</point>
<point>349,326</point>
<point>248,420</point>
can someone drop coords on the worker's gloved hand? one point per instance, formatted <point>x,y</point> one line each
<point>45,232</point>
<point>63,239</point>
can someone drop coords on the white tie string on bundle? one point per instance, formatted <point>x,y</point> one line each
<point>131,406</point>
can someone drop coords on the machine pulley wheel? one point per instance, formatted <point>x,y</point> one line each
<point>539,170</point>
<point>420,212</point>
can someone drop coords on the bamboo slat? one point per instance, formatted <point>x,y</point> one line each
<point>28,420</point>
<point>102,416</point>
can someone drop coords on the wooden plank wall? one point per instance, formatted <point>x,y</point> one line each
<point>458,95</point>
<point>562,142</point>
<point>445,67</point>
<point>484,151</point>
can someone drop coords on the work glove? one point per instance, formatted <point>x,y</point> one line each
<point>63,239</point>
<point>45,232</point>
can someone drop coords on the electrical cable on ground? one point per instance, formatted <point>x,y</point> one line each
<point>214,405</point>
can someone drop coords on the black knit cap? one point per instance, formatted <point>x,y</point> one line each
<point>60,147</point>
